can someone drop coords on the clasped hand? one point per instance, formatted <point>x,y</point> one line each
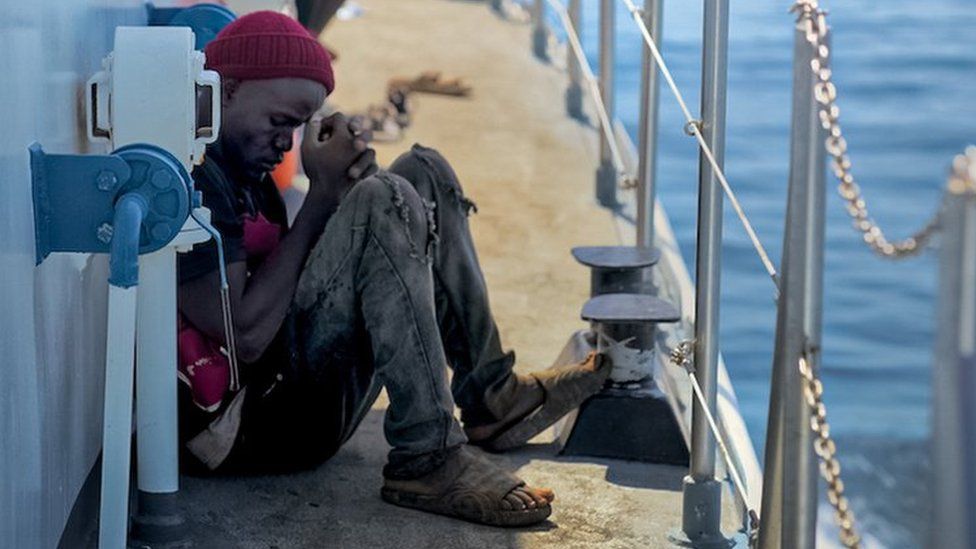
<point>336,154</point>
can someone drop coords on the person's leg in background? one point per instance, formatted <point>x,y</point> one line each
<point>314,15</point>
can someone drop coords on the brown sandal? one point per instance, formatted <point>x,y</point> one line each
<point>565,388</point>
<point>468,487</point>
<point>432,82</point>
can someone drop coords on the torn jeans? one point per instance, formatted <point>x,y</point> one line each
<point>391,295</point>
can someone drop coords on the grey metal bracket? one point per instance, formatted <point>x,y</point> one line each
<point>606,185</point>
<point>75,197</point>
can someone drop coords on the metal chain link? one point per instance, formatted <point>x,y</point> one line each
<point>812,21</point>
<point>826,450</point>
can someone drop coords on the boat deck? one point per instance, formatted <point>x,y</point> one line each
<point>530,169</point>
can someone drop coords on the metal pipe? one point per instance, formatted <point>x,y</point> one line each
<point>789,499</point>
<point>574,93</point>
<point>155,384</point>
<point>120,371</point>
<point>954,377</point>
<point>702,493</point>
<point>540,35</point>
<point>650,87</point>
<point>606,180</point>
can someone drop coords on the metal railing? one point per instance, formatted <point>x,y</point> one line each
<point>797,431</point>
<point>703,491</point>
<point>954,366</point>
<point>789,499</point>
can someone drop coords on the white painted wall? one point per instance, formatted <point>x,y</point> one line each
<point>52,317</point>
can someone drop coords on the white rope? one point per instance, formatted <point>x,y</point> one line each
<point>592,85</point>
<point>693,126</point>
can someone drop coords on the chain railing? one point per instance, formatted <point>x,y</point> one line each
<point>826,450</point>
<point>812,20</point>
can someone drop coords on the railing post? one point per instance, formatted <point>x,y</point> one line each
<point>606,174</point>
<point>497,6</point>
<point>653,11</point>
<point>954,372</point>
<point>789,499</point>
<point>702,505</point>
<point>540,35</point>
<point>574,93</point>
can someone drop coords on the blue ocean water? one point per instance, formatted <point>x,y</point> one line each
<point>906,78</point>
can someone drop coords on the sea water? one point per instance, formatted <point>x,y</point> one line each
<point>906,76</point>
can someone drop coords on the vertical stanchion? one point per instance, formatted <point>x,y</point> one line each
<point>789,499</point>
<point>496,5</point>
<point>954,374</point>
<point>606,174</point>
<point>653,11</point>
<point>158,516</point>
<point>702,503</point>
<point>574,93</point>
<point>540,35</point>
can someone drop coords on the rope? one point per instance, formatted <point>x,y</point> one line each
<point>693,128</point>
<point>593,87</point>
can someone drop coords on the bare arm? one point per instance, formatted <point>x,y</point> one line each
<point>260,301</point>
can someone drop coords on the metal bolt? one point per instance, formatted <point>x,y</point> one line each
<point>106,180</point>
<point>160,231</point>
<point>161,179</point>
<point>105,232</point>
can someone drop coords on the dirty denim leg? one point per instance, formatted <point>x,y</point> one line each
<point>469,331</point>
<point>374,304</point>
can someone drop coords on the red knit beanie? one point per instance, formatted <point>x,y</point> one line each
<point>266,44</point>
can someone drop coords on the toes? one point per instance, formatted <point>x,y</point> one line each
<point>514,501</point>
<point>507,505</point>
<point>526,498</point>
<point>542,496</point>
<point>547,494</point>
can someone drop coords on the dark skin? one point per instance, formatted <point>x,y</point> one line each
<point>259,118</point>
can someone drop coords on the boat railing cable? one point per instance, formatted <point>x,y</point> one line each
<point>593,87</point>
<point>813,21</point>
<point>693,128</point>
<point>683,356</point>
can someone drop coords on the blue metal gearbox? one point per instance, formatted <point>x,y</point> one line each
<point>75,197</point>
<point>205,20</point>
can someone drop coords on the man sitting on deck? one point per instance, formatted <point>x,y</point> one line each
<point>375,284</point>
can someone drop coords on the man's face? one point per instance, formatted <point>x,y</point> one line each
<point>259,117</point>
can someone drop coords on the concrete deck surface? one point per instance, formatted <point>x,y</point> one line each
<point>530,169</point>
